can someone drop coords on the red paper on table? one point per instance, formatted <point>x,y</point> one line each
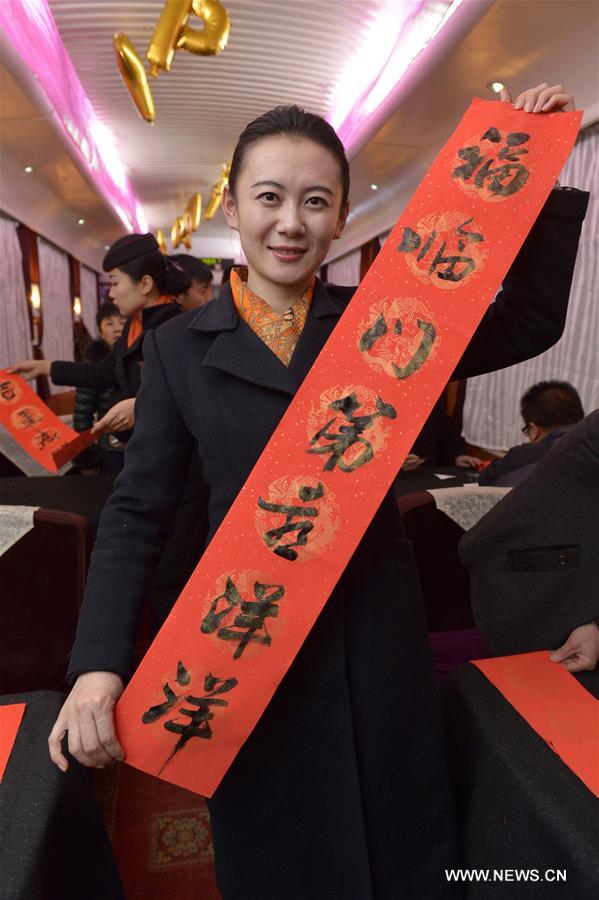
<point>555,705</point>
<point>10,721</point>
<point>290,533</point>
<point>39,431</point>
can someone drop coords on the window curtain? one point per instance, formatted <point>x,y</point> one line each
<point>346,269</point>
<point>89,299</point>
<point>55,290</point>
<point>15,332</point>
<point>491,410</point>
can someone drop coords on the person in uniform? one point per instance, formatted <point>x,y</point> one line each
<point>341,791</point>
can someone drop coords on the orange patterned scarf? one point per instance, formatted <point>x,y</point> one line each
<point>279,332</point>
<point>136,327</point>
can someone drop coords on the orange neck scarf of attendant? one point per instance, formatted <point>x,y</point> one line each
<point>279,331</point>
<point>136,327</point>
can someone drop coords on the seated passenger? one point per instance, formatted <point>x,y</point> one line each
<point>548,409</point>
<point>200,291</point>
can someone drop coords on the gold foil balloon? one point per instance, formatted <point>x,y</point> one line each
<point>213,37</point>
<point>161,241</point>
<point>166,34</point>
<point>193,213</point>
<point>186,241</point>
<point>177,232</point>
<point>217,192</point>
<point>214,202</point>
<point>134,76</point>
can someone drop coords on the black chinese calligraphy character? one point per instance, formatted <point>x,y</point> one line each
<point>26,418</point>
<point>379,329</point>
<point>456,267</point>
<point>199,718</point>
<point>251,619</point>
<point>7,391</point>
<point>302,528</point>
<point>350,434</point>
<point>42,438</point>
<point>503,180</point>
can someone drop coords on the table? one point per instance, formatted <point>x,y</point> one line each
<point>82,494</point>
<point>423,479</point>
<point>53,842</point>
<point>518,805</point>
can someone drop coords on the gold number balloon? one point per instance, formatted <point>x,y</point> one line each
<point>212,39</point>
<point>217,192</point>
<point>177,232</point>
<point>166,34</point>
<point>134,76</point>
<point>193,213</point>
<point>161,241</point>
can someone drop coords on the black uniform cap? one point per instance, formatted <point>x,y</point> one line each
<point>127,248</point>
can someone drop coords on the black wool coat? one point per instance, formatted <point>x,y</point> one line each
<point>341,791</point>
<point>534,558</point>
<point>120,370</point>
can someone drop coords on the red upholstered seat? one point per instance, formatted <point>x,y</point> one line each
<point>43,579</point>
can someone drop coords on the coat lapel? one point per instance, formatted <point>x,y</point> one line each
<point>236,349</point>
<point>322,318</point>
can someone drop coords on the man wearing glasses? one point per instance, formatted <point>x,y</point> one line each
<point>548,409</point>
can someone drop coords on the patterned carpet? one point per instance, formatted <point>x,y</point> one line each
<point>160,835</point>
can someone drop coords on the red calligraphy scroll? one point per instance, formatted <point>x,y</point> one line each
<point>555,705</point>
<point>244,614</point>
<point>35,427</point>
<point>10,722</point>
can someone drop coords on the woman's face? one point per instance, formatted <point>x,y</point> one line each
<point>128,295</point>
<point>287,210</point>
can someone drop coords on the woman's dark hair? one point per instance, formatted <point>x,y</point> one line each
<point>168,277</point>
<point>551,403</point>
<point>295,122</point>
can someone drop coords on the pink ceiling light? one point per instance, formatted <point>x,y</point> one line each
<point>30,27</point>
<point>368,89</point>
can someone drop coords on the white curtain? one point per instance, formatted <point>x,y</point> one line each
<point>89,299</point>
<point>346,269</point>
<point>491,410</point>
<point>15,332</point>
<point>55,290</point>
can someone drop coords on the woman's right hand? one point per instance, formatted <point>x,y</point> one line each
<point>31,368</point>
<point>87,716</point>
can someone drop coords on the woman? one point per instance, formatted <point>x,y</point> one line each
<point>341,790</point>
<point>143,285</point>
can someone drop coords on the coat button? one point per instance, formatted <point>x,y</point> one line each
<point>563,559</point>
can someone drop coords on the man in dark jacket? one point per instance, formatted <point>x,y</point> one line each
<point>534,558</point>
<point>548,409</point>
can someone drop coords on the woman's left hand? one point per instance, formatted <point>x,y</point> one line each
<point>541,98</point>
<point>120,417</point>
